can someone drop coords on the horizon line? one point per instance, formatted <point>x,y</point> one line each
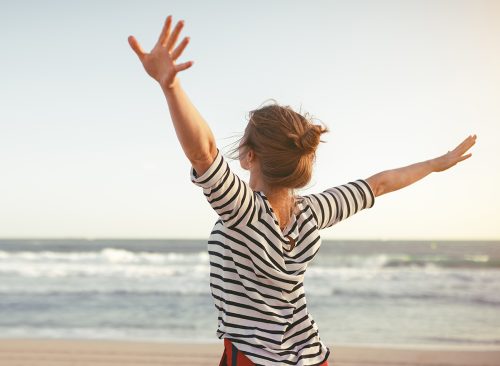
<point>204,239</point>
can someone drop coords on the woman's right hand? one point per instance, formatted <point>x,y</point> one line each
<point>159,63</point>
<point>452,157</point>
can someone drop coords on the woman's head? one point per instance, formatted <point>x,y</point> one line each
<point>283,143</point>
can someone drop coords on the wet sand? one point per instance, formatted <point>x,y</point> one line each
<point>45,352</point>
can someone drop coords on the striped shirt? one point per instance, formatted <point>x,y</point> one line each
<point>256,281</point>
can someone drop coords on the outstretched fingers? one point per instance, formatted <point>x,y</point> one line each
<point>180,48</point>
<point>465,157</point>
<point>462,148</point>
<point>183,66</point>
<point>160,62</point>
<point>466,144</point>
<point>136,47</point>
<point>170,42</point>
<point>165,32</point>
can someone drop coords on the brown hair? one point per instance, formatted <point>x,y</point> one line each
<point>285,143</point>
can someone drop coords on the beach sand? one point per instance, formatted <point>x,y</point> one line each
<point>45,352</point>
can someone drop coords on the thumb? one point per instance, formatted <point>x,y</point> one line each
<point>136,47</point>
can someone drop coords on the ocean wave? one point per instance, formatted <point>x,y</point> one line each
<point>202,289</point>
<point>81,270</point>
<point>430,296</point>
<point>51,292</point>
<point>455,340</point>
<point>119,255</point>
<point>106,255</point>
<point>113,262</point>
<point>412,261</point>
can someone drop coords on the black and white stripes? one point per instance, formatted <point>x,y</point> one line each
<point>255,280</point>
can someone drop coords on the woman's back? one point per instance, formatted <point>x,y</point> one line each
<point>256,280</point>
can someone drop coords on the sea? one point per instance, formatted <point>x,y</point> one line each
<point>358,292</point>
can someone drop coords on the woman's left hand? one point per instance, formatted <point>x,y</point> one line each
<point>454,156</point>
<point>160,62</point>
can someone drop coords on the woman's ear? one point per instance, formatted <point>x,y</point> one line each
<point>250,156</point>
<point>243,157</point>
<point>247,158</point>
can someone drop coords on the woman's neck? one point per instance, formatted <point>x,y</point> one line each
<point>281,199</point>
<point>274,194</point>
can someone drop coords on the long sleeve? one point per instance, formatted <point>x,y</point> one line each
<point>338,203</point>
<point>231,197</point>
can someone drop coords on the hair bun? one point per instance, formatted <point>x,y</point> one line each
<point>309,140</point>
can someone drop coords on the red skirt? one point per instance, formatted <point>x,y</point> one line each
<point>233,357</point>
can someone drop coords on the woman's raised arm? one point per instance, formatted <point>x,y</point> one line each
<point>193,132</point>
<point>394,179</point>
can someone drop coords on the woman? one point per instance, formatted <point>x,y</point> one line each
<point>266,234</point>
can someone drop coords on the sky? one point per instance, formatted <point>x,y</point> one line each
<point>88,149</point>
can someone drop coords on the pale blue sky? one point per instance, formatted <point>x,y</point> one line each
<point>87,148</point>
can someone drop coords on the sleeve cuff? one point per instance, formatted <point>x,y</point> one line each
<point>214,173</point>
<point>370,196</point>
